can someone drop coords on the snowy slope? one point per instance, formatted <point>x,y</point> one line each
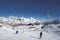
<point>31,32</point>
<point>7,33</point>
<point>28,35</point>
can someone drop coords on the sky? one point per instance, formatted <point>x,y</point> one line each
<point>30,8</point>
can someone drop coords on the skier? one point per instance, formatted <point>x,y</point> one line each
<point>40,35</point>
<point>17,31</point>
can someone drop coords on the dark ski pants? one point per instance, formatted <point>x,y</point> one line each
<point>40,35</point>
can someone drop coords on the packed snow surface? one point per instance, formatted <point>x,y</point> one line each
<point>7,33</point>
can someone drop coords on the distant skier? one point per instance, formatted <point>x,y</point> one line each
<point>17,31</point>
<point>40,35</point>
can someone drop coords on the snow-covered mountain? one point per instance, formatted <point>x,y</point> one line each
<point>17,20</point>
<point>57,21</point>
